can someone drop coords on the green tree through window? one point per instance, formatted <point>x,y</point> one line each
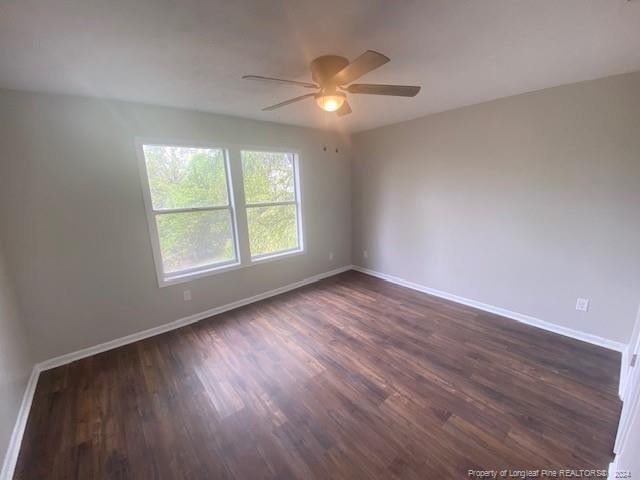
<point>190,201</point>
<point>193,220</point>
<point>270,195</point>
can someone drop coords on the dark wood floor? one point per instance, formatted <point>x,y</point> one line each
<point>351,377</point>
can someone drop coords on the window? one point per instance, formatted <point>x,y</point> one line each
<point>191,213</point>
<point>191,207</point>
<point>272,203</point>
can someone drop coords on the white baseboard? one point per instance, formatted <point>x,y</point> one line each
<point>520,317</point>
<point>612,469</point>
<point>13,449</point>
<point>134,337</point>
<point>11,456</point>
<point>624,371</point>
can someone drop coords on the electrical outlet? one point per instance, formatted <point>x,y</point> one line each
<point>187,295</point>
<point>330,256</point>
<point>582,304</point>
<point>365,254</point>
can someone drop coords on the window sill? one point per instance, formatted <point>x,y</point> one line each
<point>188,277</point>
<point>275,256</point>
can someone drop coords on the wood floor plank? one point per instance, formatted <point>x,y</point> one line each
<point>351,377</point>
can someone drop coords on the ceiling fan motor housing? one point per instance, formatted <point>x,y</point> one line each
<point>324,68</point>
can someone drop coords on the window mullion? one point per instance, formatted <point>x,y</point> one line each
<point>235,166</point>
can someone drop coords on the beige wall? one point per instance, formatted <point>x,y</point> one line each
<point>15,361</point>
<point>77,235</point>
<point>524,203</point>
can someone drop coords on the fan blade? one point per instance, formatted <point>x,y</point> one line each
<point>287,102</point>
<point>366,62</point>
<point>345,109</point>
<point>395,90</point>
<point>280,80</point>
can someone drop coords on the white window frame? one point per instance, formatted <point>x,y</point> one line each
<point>296,201</point>
<point>237,206</point>
<point>165,279</point>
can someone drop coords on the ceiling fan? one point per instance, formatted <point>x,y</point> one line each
<point>332,75</point>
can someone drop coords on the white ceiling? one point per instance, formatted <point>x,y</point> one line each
<point>192,53</point>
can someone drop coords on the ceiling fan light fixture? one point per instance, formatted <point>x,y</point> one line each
<point>333,72</point>
<point>330,102</point>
